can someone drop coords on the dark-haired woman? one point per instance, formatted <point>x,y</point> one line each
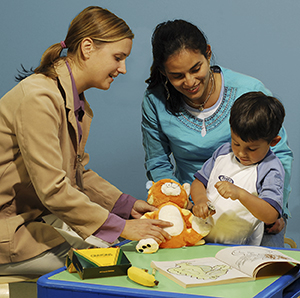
<point>186,110</point>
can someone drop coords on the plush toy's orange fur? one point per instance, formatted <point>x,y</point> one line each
<point>156,197</point>
<point>188,236</point>
<point>171,198</point>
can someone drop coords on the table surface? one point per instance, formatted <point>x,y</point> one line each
<point>258,288</point>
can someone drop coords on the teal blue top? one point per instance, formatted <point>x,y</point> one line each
<point>174,146</point>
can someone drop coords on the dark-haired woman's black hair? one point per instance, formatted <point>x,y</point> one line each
<point>168,39</point>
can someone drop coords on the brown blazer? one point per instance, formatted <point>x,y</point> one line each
<point>38,159</point>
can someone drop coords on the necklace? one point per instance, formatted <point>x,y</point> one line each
<point>200,106</point>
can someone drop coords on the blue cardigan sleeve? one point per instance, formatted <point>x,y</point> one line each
<point>285,154</point>
<point>156,145</point>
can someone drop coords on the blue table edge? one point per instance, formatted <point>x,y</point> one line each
<point>113,290</point>
<point>274,290</point>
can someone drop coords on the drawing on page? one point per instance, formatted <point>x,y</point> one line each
<point>204,272</point>
<point>250,256</point>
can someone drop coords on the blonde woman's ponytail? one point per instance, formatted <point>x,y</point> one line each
<point>94,22</point>
<point>50,56</point>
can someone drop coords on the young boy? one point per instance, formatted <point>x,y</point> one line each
<point>243,179</point>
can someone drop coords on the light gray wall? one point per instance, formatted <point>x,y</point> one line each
<point>259,38</point>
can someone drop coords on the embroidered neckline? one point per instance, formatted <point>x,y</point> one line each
<point>213,120</point>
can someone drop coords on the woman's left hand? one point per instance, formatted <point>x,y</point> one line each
<point>140,207</point>
<point>276,227</point>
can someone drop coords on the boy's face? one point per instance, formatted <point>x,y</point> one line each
<point>249,153</point>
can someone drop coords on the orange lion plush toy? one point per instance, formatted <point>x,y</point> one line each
<point>171,199</point>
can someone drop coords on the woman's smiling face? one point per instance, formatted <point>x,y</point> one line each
<point>107,62</point>
<point>189,73</point>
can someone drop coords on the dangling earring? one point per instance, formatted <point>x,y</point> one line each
<point>167,89</point>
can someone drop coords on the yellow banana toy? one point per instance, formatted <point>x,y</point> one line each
<point>142,277</point>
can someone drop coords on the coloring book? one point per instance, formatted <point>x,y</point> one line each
<point>232,264</point>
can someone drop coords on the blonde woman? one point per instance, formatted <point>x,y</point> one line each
<point>44,125</point>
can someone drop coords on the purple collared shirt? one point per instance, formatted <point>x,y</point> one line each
<point>116,220</point>
<point>78,103</point>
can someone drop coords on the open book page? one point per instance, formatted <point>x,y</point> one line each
<point>202,271</point>
<point>249,259</point>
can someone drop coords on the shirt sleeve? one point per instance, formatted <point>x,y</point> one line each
<point>271,182</point>
<point>285,155</point>
<point>156,144</point>
<point>204,173</point>
<point>111,229</point>
<point>124,206</point>
<point>116,220</point>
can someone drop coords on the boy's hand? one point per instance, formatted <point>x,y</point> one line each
<point>228,190</point>
<point>204,209</point>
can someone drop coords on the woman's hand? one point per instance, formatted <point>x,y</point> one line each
<point>140,207</point>
<point>137,229</point>
<point>276,227</point>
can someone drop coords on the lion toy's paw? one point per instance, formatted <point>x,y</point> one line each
<point>147,246</point>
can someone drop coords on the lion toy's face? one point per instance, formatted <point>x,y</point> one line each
<point>168,190</point>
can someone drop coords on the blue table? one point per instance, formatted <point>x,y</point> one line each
<point>62,284</point>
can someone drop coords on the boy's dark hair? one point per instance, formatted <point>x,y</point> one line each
<point>255,116</point>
